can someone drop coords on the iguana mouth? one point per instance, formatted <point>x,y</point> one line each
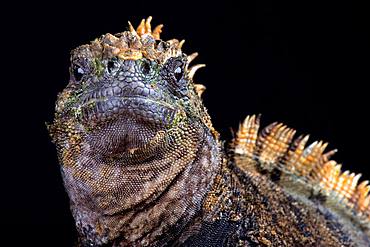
<point>122,137</point>
<point>142,108</point>
<point>128,123</point>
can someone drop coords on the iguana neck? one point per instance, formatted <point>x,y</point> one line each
<point>171,198</point>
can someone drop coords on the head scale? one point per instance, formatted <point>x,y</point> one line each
<point>138,56</point>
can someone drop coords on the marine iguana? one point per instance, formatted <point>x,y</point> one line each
<point>143,165</point>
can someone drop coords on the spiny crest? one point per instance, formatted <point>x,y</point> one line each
<point>274,147</point>
<point>137,43</point>
<point>142,42</point>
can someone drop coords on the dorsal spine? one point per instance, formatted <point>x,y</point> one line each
<point>274,148</point>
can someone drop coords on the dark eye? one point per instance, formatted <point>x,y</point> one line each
<point>178,73</point>
<point>145,68</point>
<point>112,66</point>
<point>78,73</point>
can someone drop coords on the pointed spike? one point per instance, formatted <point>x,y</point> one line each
<point>362,186</point>
<point>279,130</point>
<point>326,156</point>
<point>199,89</point>
<point>310,159</point>
<point>279,125</point>
<point>337,169</point>
<point>243,129</point>
<point>329,177</point>
<point>257,120</point>
<point>342,184</point>
<point>344,175</point>
<point>291,134</point>
<point>352,181</point>
<point>157,31</point>
<point>241,138</point>
<point>148,26</point>
<point>287,136</point>
<point>194,69</point>
<point>246,121</point>
<point>335,173</point>
<point>271,126</point>
<point>305,139</point>
<point>302,143</point>
<point>323,147</point>
<point>181,44</point>
<point>367,190</point>
<point>192,56</point>
<point>249,121</point>
<point>246,136</point>
<point>275,145</point>
<point>284,130</point>
<point>363,196</point>
<point>356,179</point>
<point>312,145</point>
<point>254,117</point>
<point>350,187</point>
<point>131,28</point>
<point>141,28</point>
<point>291,156</point>
<point>265,132</point>
<point>366,204</point>
<point>282,133</point>
<point>298,140</point>
<point>253,125</point>
<point>315,152</point>
<point>262,138</point>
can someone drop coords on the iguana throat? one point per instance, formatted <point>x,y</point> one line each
<point>139,195</point>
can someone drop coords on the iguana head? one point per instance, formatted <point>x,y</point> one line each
<point>134,77</point>
<point>129,121</point>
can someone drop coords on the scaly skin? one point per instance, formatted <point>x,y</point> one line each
<point>142,164</point>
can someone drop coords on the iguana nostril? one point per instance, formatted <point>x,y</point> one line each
<point>78,73</point>
<point>178,73</point>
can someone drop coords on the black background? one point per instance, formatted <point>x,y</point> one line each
<point>304,64</point>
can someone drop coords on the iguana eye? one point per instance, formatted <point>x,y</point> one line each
<point>78,73</point>
<point>112,66</point>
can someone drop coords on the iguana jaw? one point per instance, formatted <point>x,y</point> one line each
<point>142,108</point>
